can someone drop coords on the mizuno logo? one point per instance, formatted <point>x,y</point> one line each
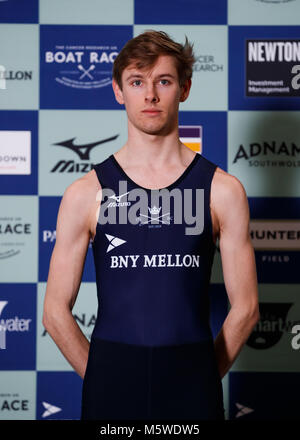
<point>243,410</point>
<point>118,201</point>
<point>50,409</point>
<point>118,198</point>
<point>114,242</point>
<point>83,151</point>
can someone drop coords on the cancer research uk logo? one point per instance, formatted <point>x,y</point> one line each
<point>76,65</point>
<point>273,68</point>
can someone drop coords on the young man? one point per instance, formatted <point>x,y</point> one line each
<point>152,355</point>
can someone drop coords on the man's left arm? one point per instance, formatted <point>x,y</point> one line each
<point>230,205</point>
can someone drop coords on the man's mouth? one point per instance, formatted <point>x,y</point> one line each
<point>151,111</point>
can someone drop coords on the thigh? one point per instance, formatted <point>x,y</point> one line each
<point>115,383</point>
<point>186,384</point>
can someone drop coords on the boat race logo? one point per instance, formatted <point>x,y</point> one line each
<point>76,65</point>
<point>14,233</point>
<point>82,66</point>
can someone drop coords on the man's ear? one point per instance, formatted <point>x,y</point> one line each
<point>118,92</point>
<point>185,90</point>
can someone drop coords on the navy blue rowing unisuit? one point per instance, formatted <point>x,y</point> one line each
<point>152,352</point>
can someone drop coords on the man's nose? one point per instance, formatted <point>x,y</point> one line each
<point>151,93</point>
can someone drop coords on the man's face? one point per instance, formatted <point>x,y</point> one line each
<point>151,96</point>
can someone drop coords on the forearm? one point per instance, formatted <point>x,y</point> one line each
<point>235,331</point>
<point>67,335</point>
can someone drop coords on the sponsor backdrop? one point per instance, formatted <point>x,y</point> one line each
<point>58,116</point>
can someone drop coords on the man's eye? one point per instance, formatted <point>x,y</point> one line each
<point>137,82</point>
<point>164,82</point>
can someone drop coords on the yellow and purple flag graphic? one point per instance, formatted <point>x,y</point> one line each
<point>191,136</point>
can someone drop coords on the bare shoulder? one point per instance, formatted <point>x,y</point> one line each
<point>84,188</point>
<point>82,197</point>
<point>226,185</point>
<point>228,196</point>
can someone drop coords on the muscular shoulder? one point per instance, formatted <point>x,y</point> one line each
<point>82,189</point>
<point>228,197</point>
<point>81,199</point>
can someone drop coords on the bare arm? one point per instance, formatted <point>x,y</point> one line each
<point>65,273</point>
<point>238,261</point>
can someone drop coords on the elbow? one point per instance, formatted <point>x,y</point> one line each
<point>48,317</point>
<point>254,314</point>
<point>248,314</point>
<point>55,315</point>
<point>250,317</point>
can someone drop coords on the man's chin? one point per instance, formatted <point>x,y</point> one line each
<point>156,131</point>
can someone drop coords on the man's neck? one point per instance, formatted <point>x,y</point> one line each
<point>153,150</point>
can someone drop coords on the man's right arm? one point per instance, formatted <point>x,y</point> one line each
<point>65,272</point>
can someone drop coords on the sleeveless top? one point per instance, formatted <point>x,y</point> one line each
<point>152,277</point>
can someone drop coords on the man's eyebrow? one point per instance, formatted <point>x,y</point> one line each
<point>133,75</point>
<point>166,74</point>
<point>138,75</point>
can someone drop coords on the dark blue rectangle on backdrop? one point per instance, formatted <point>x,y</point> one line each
<point>62,391</point>
<point>76,65</point>
<point>19,11</point>
<point>48,211</point>
<point>238,35</point>
<point>18,312</point>
<point>180,12</point>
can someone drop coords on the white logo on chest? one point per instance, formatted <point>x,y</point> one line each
<point>154,260</point>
